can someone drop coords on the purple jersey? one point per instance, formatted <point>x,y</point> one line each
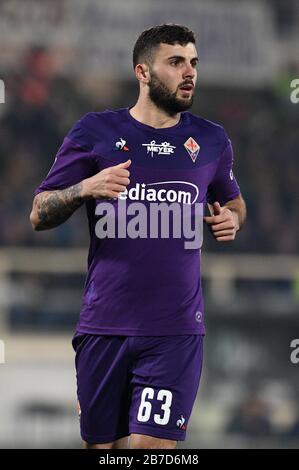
<point>145,286</point>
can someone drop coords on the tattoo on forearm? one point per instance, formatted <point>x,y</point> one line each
<point>55,207</point>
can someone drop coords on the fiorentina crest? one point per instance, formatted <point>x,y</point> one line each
<point>192,148</point>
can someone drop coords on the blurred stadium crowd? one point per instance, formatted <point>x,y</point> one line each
<point>262,124</point>
<point>250,387</point>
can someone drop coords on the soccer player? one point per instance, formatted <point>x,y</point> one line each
<point>139,339</point>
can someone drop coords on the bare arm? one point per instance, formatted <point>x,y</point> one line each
<point>52,208</point>
<point>238,207</point>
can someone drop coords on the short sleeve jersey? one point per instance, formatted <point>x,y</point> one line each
<point>145,286</point>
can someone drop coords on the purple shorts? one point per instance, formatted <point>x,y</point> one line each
<point>136,384</point>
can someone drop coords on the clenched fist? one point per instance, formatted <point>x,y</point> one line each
<point>107,183</point>
<point>224,224</point>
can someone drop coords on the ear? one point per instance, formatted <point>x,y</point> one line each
<point>142,73</point>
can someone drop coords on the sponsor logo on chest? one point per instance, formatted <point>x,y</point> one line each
<point>165,148</point>
<point>163,191</point>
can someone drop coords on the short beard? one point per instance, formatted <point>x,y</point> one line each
<point>163,99</point>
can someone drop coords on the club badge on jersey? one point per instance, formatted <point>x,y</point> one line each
<point>192,148</point>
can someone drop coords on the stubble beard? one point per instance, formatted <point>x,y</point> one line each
<point>169,102</point>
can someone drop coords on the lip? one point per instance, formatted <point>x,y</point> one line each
<point>187,87</point>
<point>186,91</point>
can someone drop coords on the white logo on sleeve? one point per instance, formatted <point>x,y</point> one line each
<point>198,316</point>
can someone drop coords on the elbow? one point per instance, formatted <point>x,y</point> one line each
<point>34,217</point>
<point>34,221</point>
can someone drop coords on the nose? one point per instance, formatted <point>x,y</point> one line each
<point>189,71</point>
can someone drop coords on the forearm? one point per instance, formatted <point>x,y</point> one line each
<point>52,208</point>
<point>238,207</point>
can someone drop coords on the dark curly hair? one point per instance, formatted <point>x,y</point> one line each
<point>151,38</point>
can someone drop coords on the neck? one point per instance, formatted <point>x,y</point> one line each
<point>146,112</point>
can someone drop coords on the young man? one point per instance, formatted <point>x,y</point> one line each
<point>140,335</point>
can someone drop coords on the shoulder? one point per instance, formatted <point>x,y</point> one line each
<point>88,129</point>
<point>92,120</point>
<point>209,128</point>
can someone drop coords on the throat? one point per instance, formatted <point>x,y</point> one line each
<point>154,119</point>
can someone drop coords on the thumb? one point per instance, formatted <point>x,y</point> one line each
<point>216,208</point>
<point>124,164</point>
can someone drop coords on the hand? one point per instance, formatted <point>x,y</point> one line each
<point>223,224</point>
<point>107,183</point>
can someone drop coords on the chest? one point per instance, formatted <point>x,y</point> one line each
<point>173,167</point>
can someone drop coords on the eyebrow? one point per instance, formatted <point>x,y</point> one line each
<point>180,57</point>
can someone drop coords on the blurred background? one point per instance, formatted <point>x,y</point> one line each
<point>62,58</point>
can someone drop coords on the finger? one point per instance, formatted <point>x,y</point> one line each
<point>223,226</point>
<point>223,233</point>
<point>225,239</point>
<point>124,164</point>
<point>216,219</point>
<point>120,180</point>
<point>109,195</point>
<point>119,172</point>
<point>111,172</point>
<point>209,219</point>
<point>223,217</point>
<point>216,208</point>
<point>111,178</point>
<point>117,188</point>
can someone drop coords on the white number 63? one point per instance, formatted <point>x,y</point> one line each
<point>145,407</point>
